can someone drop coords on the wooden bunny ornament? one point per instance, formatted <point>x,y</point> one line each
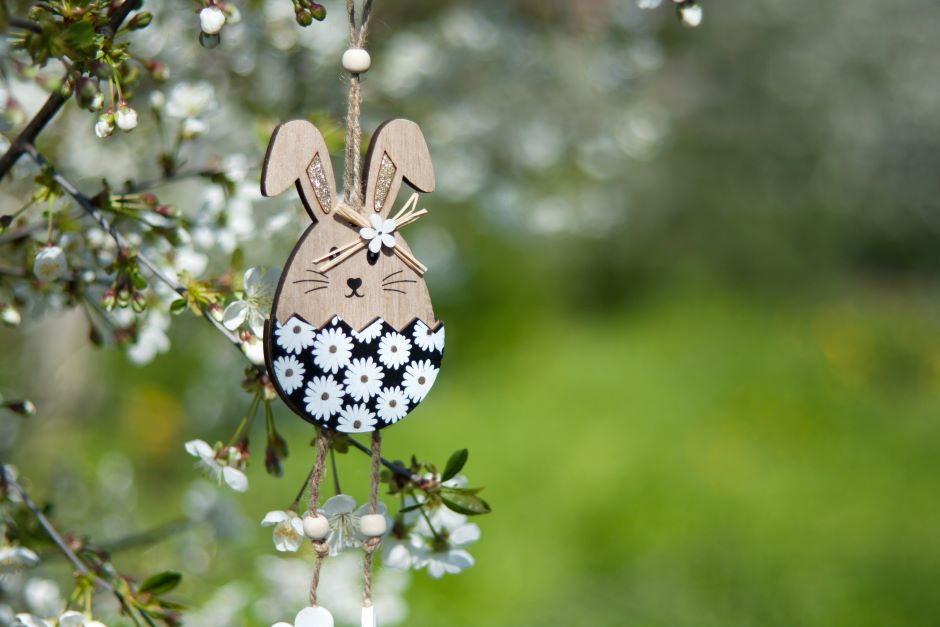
<point>352,341</point>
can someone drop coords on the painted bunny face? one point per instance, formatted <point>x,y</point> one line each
<point>352,344</point>
<point>366,285</point>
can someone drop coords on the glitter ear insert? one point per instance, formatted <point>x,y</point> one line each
<point>353,381</point>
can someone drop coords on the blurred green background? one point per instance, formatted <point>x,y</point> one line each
<point>690,282</point>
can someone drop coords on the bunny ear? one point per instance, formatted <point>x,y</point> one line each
<point>397,152</point>
<point>297,154</point>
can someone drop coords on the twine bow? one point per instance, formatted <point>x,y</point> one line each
<point>375,234</point>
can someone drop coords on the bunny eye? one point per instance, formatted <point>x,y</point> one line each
<point>333,248</point>
<point>372,258</point>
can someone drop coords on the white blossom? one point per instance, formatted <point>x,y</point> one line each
<point>105,125</point>
<point>14,558</point>
<point>126,118</point>
<point>211,20</point>
<point>288,529</point>
<point>226,464</point>
<point>444,553</point>
<point>77,619</point>
<point>343,517</point>
<point>50,264</point>
<point>190,100</point>
<point>258,285</point>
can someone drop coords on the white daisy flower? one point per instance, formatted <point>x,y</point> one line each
<point>394,349</point>
<point>356,419</point>
<point>363,379</point>
<point>392,405</point>
<point>295,335</point>
<point>332,350</point>
<point>324,397</point>
<point>428,340</point>
<point>227,467</point>
<point>418,379</point>
<point>289,372</point>
<point>288,529</point>
<point>370,332</point>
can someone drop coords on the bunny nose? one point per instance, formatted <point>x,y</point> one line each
<point>354,284</point>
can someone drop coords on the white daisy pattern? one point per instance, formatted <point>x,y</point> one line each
<point>370,332</point>
<point>392,405</point>
<point>353,381</point>
<point>363,379</point>
<point>418,379</point>
<point>428,339</point>
<point>356,419</point>
<point>295,335</point>
<point>324,397</point>
<point>394,349</point>
<point>332,350</point>
<point>289,372</point>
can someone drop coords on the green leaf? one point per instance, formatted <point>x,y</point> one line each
<point>178,306</point>
<point>161,583</point>
<point>80,35</point>
<point>469,504</point>
<point>411,508</point>
<point>455,464</point>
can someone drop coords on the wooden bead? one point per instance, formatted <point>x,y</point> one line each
<point>356,61</point>
<point>316,527</point>
<point>372,525</point>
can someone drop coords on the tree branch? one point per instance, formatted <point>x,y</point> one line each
<point>55,102</point>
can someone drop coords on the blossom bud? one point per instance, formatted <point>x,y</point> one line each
<point>105,124</point>
<point>123,297</point>
<point>6,220</point>
<point>108,300</point>
<point>9,316</point>
<point>86,90</point>
<point>272,463</point>
<point>149,199</point>
<point>97,103</point>
<point>138,302</point>
<point>303,17</point>
<point>126,118</point>
<point>23,408</point>
<point>318,11</point>
<point>141,20</point>
<point>211,20</point>
<point>12,113</point>
<point>216,312</point>
<point>50,264</point>
<point>160,72</point>
<point>690,14</point>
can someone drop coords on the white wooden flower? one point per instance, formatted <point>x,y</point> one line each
<point>332,350</point>
<point>363,379</point>
<point>295,335</point>
<point>288,529</point>
<point>394,349</point>
<point>369,333</point>
<point>418,379</point>
<point>356,419</point>
<point>428,340</point>
<point>289,372</point>
<point>381,233</point>
<point>392,405</point>
<point>323,397</point>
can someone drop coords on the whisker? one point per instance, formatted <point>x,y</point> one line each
<point>322,287</point>
<point>317,272</point>
<point>310,281</point>
<point>392,289</point>
<point>392,274</point>
<point>399,281</point>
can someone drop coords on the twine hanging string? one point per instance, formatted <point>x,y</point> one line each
<point>352,175</point>
<point>316,477</point>
<point>371,544</point>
